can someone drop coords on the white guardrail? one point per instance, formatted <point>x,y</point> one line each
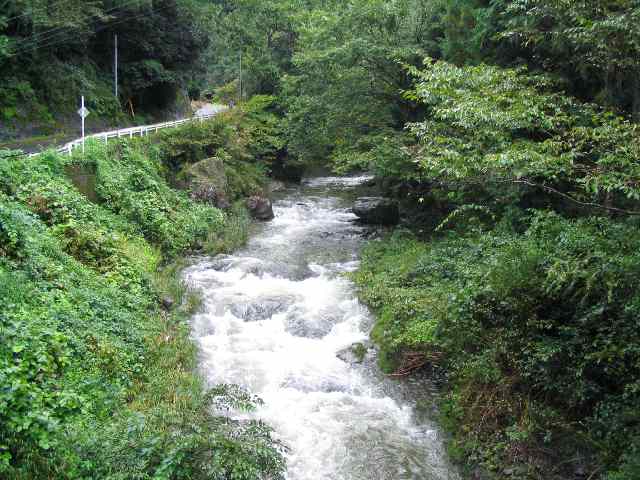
<point>130,132</point>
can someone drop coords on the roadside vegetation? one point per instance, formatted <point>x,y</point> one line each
<point>53,52</point>
<point>507,129</point>
<point>98,370</point>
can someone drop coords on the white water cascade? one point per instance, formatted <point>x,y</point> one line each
<point>275,316</point>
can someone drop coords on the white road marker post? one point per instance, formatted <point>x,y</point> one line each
<point>83,112</point>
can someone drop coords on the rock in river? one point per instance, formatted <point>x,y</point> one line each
<point>260,208</point>
<point>377,210</point>
<point>355,353</point>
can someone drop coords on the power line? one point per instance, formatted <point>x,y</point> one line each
<point>48,34</point>
<point>61,30</point>
<point>58,41</point>
<point>44,7</point>
<point>11,19</point>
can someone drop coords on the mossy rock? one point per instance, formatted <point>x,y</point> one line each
<point>206,173</point>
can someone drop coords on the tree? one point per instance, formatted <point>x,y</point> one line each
<point>595,42</point>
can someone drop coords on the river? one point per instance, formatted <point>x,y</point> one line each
<point>275,316</point>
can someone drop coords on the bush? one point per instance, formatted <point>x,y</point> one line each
<point>130,184</point>
<point>537,332</point>
<point>98,380</point>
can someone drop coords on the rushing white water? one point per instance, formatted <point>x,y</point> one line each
<point>275,317</point>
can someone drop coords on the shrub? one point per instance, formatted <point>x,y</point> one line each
<point>538,332</point>
<point>98,380</point>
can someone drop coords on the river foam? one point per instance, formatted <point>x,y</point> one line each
<point>274,318</point>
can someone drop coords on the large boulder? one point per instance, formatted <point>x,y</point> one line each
<point>260,208</point>
<point>377,211</point>
<point>207,182</point>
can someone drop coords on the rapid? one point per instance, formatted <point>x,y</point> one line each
<point>277,317</point>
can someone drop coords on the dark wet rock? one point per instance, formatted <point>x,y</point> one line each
<point>261,309</point>
<point>260,208</point>
<point>377,211</point>
<point>167,303</point>
<point>370,183</point>
<point>355,353</point>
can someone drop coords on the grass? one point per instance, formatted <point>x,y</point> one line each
<point>106,368</point>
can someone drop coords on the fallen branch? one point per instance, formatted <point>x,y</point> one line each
<point>413,361</point>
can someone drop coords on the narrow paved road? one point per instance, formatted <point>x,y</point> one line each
<point>206,111</point>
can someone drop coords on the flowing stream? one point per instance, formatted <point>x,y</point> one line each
<point>277,314</point>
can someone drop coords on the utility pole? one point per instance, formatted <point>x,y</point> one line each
<point>240,100</point>
<point>115,67</point>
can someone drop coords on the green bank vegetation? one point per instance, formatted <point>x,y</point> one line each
<point>508,131</point>
<point>97,368</point>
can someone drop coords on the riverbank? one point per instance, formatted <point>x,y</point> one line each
<point>530,333</point>
<point>95,339</point>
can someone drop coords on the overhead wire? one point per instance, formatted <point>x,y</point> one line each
<point>11,19</point>
<point>57,41</point>
<point>42,37</point>
<point>48,34</point>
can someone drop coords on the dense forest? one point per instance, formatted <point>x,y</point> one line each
<point>508,131</point>
<point>51,52</point>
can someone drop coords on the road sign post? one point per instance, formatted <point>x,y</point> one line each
<point>83,112</point>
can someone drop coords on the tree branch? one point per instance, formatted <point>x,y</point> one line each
<point>574,200</point>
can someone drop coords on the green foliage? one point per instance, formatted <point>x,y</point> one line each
<point>263,129</point>
<point>99,379</point>
<point>235,233</point>
<point>262,31</point>
<point>52,54</point>
<point>595,41</point>
<point>538,332</point>
<point>347,83</point>
<point>248,140</point>
<point>485,124</point>
<point>128,181</point>
<point>227,93</point>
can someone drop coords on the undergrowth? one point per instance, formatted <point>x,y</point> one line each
<point>537,332</point>
<point>97,367</point>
